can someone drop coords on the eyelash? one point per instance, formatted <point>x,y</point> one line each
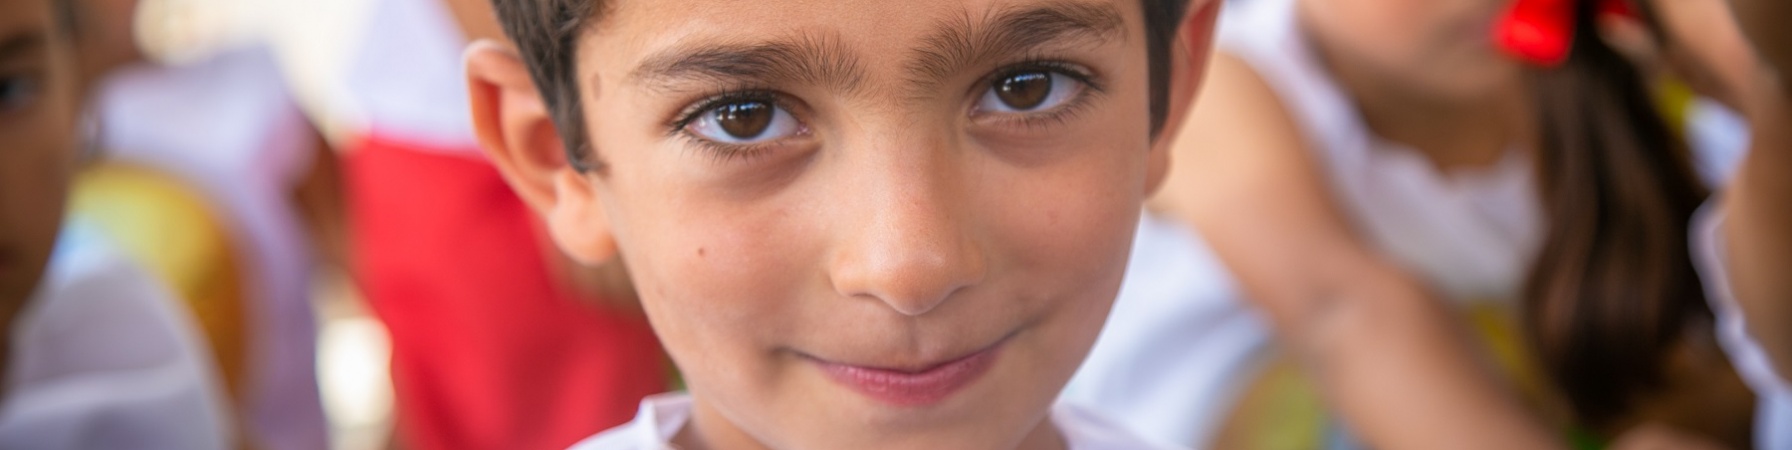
<point>680,127</point>
<point>1092,87</point>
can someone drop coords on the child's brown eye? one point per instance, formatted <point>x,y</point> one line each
<point>1024,91</point>
<point>17,92</point>
<point>744,122</point>
<point>1029,91</point>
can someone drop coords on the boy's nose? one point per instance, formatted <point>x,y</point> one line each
<point>908,238</point>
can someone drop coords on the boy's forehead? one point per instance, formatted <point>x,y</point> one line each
<point>654,39</point>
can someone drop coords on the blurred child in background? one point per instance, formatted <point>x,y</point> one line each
<point>205,160</point>
<point>497,341</point>
<point>99,355</point>
<point>1368,171</point>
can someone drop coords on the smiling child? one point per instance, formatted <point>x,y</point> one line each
<point>853,224</point>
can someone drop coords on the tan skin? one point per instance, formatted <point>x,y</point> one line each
<point>38,116</point>
<point>1387,353</point>
<point>1756,216</point>
<point>891,225</point>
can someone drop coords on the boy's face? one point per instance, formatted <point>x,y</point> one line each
<point>37,141</point>
<point>855,224</point>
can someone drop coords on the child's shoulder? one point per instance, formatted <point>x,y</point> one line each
<point>658,420</point>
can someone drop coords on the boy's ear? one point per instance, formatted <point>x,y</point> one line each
<point>518,136</point>
<point>1192,52</point>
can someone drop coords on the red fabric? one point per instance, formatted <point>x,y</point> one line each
<point>487,351</point>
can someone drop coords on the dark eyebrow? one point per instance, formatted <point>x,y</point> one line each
<point>18,44</point>
<point>809,59</point>
<point>966,42</point>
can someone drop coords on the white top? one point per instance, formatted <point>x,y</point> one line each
<point>662,416</point>
<point>1773,405</point>
<point>104,358</point>
<point>406,78</point>
<point>1178,345</point>
<point>227,125</point>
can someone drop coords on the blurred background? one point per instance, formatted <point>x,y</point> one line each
<point>302,173</point>
<point>311,42</point>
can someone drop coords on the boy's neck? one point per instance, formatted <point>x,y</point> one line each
<point>1462,133</point>
<point>707,429</point>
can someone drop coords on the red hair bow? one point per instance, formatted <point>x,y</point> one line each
<point>1541,32</point>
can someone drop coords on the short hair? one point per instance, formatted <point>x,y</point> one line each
<point>547,32</point>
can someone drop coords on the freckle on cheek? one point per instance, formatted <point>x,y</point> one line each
<point>701,251</point>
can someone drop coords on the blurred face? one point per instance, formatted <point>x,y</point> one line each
<point>37,121</point>
<point>1442,48</point>
<point>871,224</point>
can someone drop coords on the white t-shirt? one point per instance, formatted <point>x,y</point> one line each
<point>662,416</point>
<point>104,358</point>
<point>1179,344</point>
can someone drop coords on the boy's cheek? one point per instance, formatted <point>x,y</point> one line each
<point>34,177</point>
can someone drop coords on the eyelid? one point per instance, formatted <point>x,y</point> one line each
<point>1091,88</point>
<point>1078,72</point>
<point>708,103</point>
<point>679,127</point>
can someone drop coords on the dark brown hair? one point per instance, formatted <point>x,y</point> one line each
<point>547,33</point>
<point>1614,288</point>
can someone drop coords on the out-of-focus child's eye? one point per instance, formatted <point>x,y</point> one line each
<point>1028,91</point>
<point>744,122</point>
<point>17,92</point>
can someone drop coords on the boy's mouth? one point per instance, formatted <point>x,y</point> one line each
<point>913,387</point>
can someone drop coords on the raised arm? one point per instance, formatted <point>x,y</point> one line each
<point>1758,205</point>
<point>1386,353</point>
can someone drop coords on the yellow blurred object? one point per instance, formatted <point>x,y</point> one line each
<point>171,230</point>
<point>1674,100</point>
